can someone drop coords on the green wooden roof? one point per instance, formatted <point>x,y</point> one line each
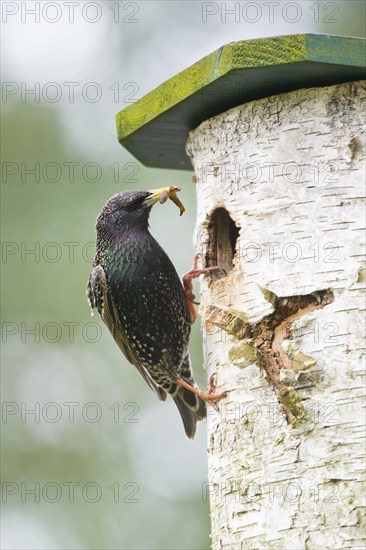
<point>155,128</point>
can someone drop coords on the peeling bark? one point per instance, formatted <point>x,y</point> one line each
<point>280,185</point>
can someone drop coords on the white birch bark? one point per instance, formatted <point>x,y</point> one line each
<point>287,447</point>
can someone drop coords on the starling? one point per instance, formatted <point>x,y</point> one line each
<point>138,293</point>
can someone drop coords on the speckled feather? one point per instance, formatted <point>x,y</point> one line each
<point>140,297</point>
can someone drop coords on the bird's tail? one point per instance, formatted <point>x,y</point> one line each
<point>191,407</point>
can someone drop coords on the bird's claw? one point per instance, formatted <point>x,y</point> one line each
<point>187,283</point>
<point>210,397</point>
<point>211,391</point>
<point>212,384</point>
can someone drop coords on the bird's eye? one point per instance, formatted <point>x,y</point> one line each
<point>135,203</point>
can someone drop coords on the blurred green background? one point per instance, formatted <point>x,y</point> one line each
<point>100,463</point>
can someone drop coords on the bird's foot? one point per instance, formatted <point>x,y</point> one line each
<point>212,384</point>
<point>211,391</point>
<point>188,287</point>
<point>210,397</point>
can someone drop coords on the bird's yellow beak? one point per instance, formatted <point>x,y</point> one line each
<point>162,195</point>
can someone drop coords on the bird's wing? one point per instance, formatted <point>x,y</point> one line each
<point>99,297</point>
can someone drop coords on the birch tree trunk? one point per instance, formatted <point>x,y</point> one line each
<point>279,187</point>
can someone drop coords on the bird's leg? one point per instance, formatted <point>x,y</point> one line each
<point>210,397</point>
<point>188,287</point>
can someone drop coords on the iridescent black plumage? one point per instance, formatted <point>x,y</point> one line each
<point>140,297</point>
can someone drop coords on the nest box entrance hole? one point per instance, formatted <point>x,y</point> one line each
<point>223,235</point>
